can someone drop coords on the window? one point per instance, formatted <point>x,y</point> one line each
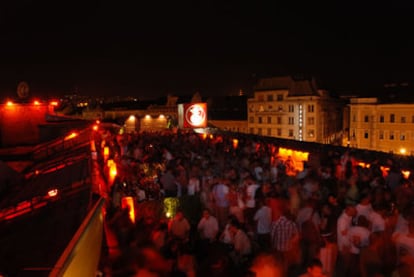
<point>291,108</point>
<point>279,120</point>
<point>381,119</point>
<point>270,107</point>
<point>311,108</point>
<point>366,118</point>
<point>291,120</point>
<point>260,120</point>
<point>290,133</point>
<point>260,97</point>
<point>269,119</point>
<point>381,135</point>
<point>392,118</point>
<point>280,97</point>
<point>403,119</point>
<point>311,121</point>
<point>259,131</point>
<point>402,136</point>
<point>270,97</point>
<point>261,108</point>
<point>311,133</point>
<point>366,135</point>
<point>280,108</point>
<point>251,119</point>
<point>251,130</point>
<point>269,131</point>
<point>278,131</point>
<point>391,135</point>
<point>412,119</point>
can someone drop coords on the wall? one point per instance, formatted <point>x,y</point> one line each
<point>19,123</point>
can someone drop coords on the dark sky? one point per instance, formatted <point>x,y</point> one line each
<point>215,47</point>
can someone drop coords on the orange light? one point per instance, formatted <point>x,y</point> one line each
<point>9,103</point>
<point>106,151</point>
<point>52,193</point>
<point>71,136</point>
<point>128,202</point>
<point>36,103</point>
<point>211,136</point>
<point>406,173</point>
<point>112,171</point>
<point>54,103</point>
<point>98,122</point>
<point>235,143</point>
<point>95,127</point>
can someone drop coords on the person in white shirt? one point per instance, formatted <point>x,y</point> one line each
<point>193,186</point>
<point>364,206</point>
<point>241,242</point>
<point>208,226</point>
<point>359,238</point>
<point>250,203</point>
<point>343,227</point>
<point>405,247</point>
<point>263,218</point>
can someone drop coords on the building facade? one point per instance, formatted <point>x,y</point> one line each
<point>386,127</point>
<point>295,108</point>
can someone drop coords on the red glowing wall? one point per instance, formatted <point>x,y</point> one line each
<point>19,123</point>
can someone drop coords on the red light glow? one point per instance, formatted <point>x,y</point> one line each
<point>9,103</point>
<point>36,103</point>
<point>128,202</point>
<point>52,193</point>
<point>54,103</point>
<point>71,136</point>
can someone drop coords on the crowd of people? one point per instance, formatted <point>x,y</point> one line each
<point>243,210</point>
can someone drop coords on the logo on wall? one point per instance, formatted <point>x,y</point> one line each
<point>23,90</point>
<point>194,115</point>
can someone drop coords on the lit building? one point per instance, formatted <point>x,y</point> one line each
<point>382,126</point>
<point>295,108</point>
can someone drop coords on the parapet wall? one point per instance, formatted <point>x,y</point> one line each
<point>19,123</point>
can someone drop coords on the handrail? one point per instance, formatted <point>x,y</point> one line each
<point>37,202</point>
<point>77,259</point>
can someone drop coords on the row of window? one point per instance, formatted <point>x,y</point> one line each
<point>390,135</point>
<point>279,120</point>
<point>279,132</point>
<point>291,108</point>
<point>270,97</point>
<point>392,119</point>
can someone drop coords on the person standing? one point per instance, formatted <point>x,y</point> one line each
<point>284,236</point>
<point>241,242</point>
<point>263,218</point>
<point>180,227</point>
<point>220,195</point>
<point>208,227</point>
<point>344,244</point>
<point>250,203</point>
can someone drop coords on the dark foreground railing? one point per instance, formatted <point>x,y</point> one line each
<point>81,256</point>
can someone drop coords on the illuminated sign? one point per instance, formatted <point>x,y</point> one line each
<point>193,115</point>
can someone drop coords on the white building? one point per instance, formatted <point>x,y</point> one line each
<point>294,108</point>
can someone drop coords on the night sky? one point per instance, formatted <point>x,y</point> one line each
<point>150,49</point>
